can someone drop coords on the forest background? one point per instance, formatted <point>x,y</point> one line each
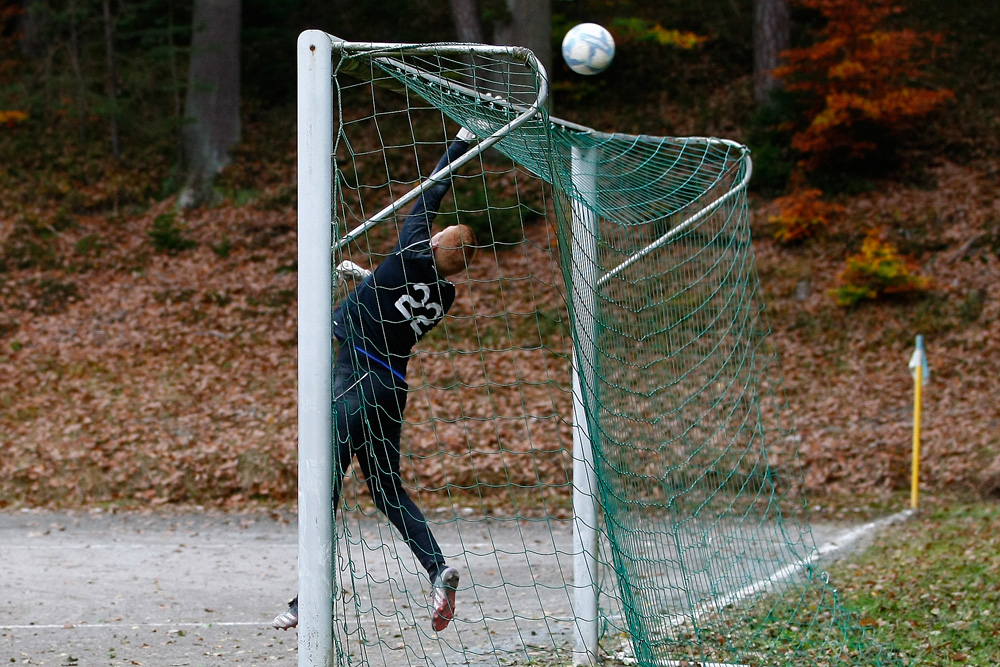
<point>147,225</point>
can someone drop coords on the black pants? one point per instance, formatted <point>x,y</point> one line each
<point>368,417</point>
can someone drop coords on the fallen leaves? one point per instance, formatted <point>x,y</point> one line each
<point>172,379</point>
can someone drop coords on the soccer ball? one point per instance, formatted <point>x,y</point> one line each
<point>588,48</point>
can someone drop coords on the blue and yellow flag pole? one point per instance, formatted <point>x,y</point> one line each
<point>921,374</point>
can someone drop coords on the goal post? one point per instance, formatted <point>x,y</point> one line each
<point>315,332</point>
<point>596,432</point>
<point>586,511</point>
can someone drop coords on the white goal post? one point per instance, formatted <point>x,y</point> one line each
<point>315,334</point>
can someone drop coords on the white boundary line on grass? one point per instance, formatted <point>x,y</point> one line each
<point>830,548</point>
<point>850,537</point>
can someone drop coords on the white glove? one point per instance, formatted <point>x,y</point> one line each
<point>347,267</point>
<point>464,135</point>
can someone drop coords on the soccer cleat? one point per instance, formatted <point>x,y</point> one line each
<point>443,598</point>
<point>288,618</point>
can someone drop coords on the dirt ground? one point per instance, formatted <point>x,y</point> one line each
<point>170,589</point>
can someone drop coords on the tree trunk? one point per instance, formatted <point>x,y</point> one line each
<point>31,43</point>
<point>212,109</point>
<point>81,84</point>
<point>467,22</point>
<point>175,80</point>
<point>112,87</point>
<point>771,35</point>
<point>529,24</point>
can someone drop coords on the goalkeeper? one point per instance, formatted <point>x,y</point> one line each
<point>376,327</point>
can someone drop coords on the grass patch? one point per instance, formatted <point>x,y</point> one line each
<point>167,235</point>
<point>923,594</point>
<point>223,247</point>
<point>929,586</point>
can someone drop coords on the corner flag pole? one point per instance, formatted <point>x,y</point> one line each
<point>918,367</point>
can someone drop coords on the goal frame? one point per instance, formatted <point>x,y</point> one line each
<point>316,283</point>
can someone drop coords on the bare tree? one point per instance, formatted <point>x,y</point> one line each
<point>212,108</point>
<point>74,59</point>
<point>112,85</point>
<point>528,23</point>
<point>467,22</point>
<point>175,81</point>
<point>771,35</point>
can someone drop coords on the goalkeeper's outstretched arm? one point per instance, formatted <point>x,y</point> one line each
<point>417,226</point>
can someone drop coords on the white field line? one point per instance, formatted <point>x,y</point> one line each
<point>850,537</point>
<point>842,543</point>
<point>144,545</point>
<point>105,626</point>
<point>831,548</point>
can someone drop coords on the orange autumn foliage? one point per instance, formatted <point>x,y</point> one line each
<point>11,118</point>
<point>879,269</point>
<point>859,79</point>
<point>640,30</point>
<point>801,212</point>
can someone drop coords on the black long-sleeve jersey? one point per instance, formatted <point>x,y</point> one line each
<point>404,297</point>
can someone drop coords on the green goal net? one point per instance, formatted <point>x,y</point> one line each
<point>596,432</point>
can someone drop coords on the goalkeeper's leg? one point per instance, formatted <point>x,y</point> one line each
<point>379,463</point>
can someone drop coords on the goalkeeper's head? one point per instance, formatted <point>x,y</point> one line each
<point>453,247</point>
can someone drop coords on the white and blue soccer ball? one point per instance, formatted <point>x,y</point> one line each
<point>588,48</point>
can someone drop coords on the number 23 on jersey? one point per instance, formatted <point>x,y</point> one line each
<point>422,314</point>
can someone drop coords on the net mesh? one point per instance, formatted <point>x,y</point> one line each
<point>632,255</point>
